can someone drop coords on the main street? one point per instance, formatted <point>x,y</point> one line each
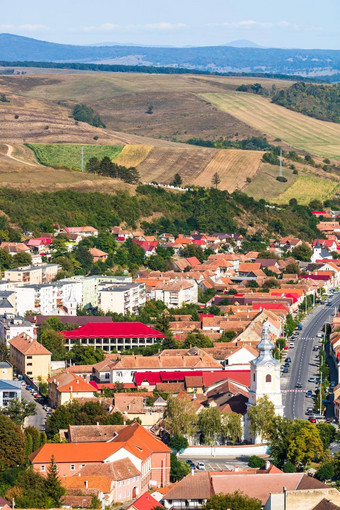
<point>304,360</point>
<point>37,420</point>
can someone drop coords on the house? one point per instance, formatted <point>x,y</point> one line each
<point>6,371</point>
<point>276,490</point>
<point>67,386</point>
<point>113,336</point>
<point>176,292</point>
<point>122,298</point>
<point>12,325</point>
<point>132,443</point>
<point>29,357</point>
<point>8,390</point>
<point>14,248</point>
<point>97,254</point>
<point>33,275</point>
<point>124,368</point>
<point>145,502</point>
<point>82,231</point>
<point>39,245</point>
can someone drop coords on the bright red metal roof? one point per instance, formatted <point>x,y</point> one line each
<point>113,330</point>
<point>209,377</point>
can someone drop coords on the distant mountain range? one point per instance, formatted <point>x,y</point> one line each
<point>236,57</point>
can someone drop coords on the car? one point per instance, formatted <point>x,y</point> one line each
<point>310,410</point>
<point>298,385</point>
<point>286,347</point>
<point>329,420</point>
<point>326,401</point>
<point>332,385</point>
<point>311,379</point>
<point>291,346</point>
<point>200,465</point>
<point>285,370</point>
<point>288,359</point>
<point>319,335</point>
<point>309,394</point>
<point>312,419</point>
<point>29,388</point>
<point>191,464</point>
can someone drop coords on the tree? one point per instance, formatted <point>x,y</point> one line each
<point>21,259</point>
<point>306,444</point>
<point>292,268</point>
<point>53,487</point>
<point>18,410</point>
<point>280,436</point>
<point>86,355</point>
<point>231,427</point>
<point>261,416</point>
<point>177,181</point>
<point>33,491</point>
<point>256,462</point>
<point>12,441</point>
<point>235,501</point>
<point>180,416</point>
<point>325,472</point>
<point>216,180</point>
<point>209,424</point>
<point>178,468</point>
<point>302,252</point>
<point>327,433</point>
<point>4,352</point>
<point>289,467</point>
<point>196,338</point>
<point>272,283</point>
<point>178,442</point>
<point>55,343</point>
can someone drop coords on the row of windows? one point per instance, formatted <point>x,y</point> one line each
<point>127,482</point>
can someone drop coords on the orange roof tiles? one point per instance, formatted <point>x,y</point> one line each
<point>27,345</point>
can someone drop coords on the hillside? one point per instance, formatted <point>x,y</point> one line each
<point>214,58</point>
<point>319,101</point>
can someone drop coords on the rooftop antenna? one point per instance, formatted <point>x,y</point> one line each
<point>82,158</point>
<point>280,174</point>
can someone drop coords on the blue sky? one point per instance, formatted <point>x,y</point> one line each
<point>288,24</point>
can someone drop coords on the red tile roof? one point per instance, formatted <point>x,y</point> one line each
<point>145,502</point>
<point>26,345</point>
<point>113,330</point>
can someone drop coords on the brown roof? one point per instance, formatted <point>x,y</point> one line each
<point>89,433</point>
<point>130,402</point>
<point>77,501</point>
<point>97,481</point>
<point>236,404</point>
<point>27,345</point>
<point>194,381</point>
<point>193,486</point>
<point>325,504</point>
<point>118,470</point>
<point>170,387</point>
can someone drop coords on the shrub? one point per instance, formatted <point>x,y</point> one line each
<point>281,178</point>
<point>289,467</point>
<point>256,462</point>
<point>16,116</point>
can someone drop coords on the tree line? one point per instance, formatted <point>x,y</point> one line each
<point>84,113</point>
<point>110,169</point>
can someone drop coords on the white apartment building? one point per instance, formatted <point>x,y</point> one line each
<point>122,298</point>
<point>33,275</point>
<point>12,325</point>
<point>176,292</point>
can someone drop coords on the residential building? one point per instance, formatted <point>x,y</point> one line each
<point>68,386</point>
<point>9,390</point>
<point>82,231</point>
<point>33,275</point>
<point>145,502</point>
<point>113,336</point>
<point>132,444</point>
<point>98,254</point>
<point>29,357</point>
<point>6,371</point>
<point>122,298</point>
<point>12,325</point>
<point>176,292</point>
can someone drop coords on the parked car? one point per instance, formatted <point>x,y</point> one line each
<point>285,370</point>
<point>311,379</point>
<point>291,345</point>
<point>320,334</point>
<point>200,465</point>
<point>288,359</point>
<point>310,410</point>
<point>332,385</point>
<point>29,388</point>
<point>312,419</point>
<point>309,394</point>
<point>191,464</point>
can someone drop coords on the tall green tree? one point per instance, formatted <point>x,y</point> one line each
<point>231,427</point>
<point>12,444</point>
<point>209,424</point>
<point>53,487</point>
<point>178,468</point>
<point>261,416</point>
<point>18,410</point>
<point>306,445</point>
<point>235,501</point>
<point>181,418</point>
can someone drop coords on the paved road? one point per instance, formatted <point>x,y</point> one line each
<point>218,463</point>
<point>304,363</point>
<point>38,420</point>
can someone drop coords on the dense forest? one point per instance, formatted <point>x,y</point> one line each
<point>207,210</point>
<point>319,101</point>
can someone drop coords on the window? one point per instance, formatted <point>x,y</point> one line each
<point>107,375</point>
<point>123,482</point>
<point>128,482</point>
<point>29,357</point>
<point>268,378</point>
<point>73,467</point>
<point>119,483</point>
<point>29,364</point>
<point>254,377</point>
<point>42,468</point>
<point>123,494</point>
<point>83,465</point>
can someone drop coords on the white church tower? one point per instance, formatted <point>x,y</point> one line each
<point>265,376</point>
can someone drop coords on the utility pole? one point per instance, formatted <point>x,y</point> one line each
<point>82,158</point>
<point>280,174</point>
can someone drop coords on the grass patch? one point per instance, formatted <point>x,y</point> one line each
<point>315,136</point>
<point>69,155</point>
<point>307,188</point>
<point>264,185</point>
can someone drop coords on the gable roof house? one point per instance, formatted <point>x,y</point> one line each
<point>30,357</point>
<point>68,386</point>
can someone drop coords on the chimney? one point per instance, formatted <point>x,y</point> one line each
<point>77,381</point>
<point>86,484</point>
<point>236,468</point>
<point>267,465</point>
<point>192,472</point>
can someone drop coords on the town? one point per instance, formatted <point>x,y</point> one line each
<point>167,387</point>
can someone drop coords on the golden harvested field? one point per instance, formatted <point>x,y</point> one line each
<point>132,155</point>
<point>307,188</point>
<point>305,133</point>
<point>233,167</point>
<point>163,163</point>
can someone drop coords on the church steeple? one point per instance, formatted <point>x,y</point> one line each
<point>265,348</point>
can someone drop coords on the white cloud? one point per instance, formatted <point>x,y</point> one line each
<point>252,24</point>
<point>25,28</point>
<point>112,27</point>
